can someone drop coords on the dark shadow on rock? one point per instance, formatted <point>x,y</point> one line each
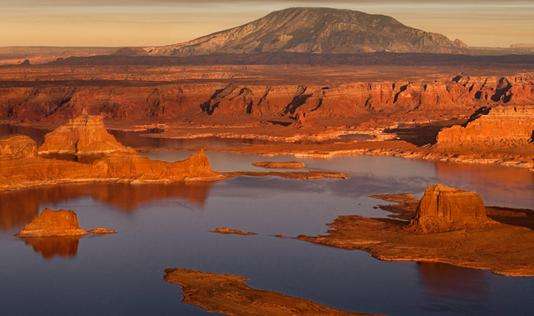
<point>424,134</point>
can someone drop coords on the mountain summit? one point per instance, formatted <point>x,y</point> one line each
<point>316,30</point>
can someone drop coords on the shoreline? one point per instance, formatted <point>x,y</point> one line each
<point>323,145</point>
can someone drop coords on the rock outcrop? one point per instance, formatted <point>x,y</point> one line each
<point>230,295</point>
<point>274,105</point>
<point>316,30</point>
<point>279,164</point>
<point>231,231</point>
<point>444,208</point>
<point>117,168</point>
<point>51,223</point>
<point>83,136</point>
<point>450,226</point>
<point>17,147</point>
<point>501,128</point>
<point>59,223</point>
<point>21,168</point>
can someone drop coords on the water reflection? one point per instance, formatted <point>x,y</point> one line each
<point>51,247</point>
<point>443,280</point>
<point>498,185</point>
<point>20,207</point>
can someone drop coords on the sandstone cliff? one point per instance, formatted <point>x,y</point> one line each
<point>84,135</point>
<point>19,173</point>
<point>17,147</point>
<point>234,103</point>
<point>499,129</point>
<point>443,208</point>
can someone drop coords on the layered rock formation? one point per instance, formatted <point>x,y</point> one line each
<point>17,147</point>
<point>448,226</point>
<point>276,105</point>
<point>21,168</point>
<point>501,128</point>
<point>316,30</point>
<point>443,209</point>
<point>82,136</point>
<point>129,168</point>
<point>51,223</point>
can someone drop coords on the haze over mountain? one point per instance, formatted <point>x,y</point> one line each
<point>316,30</point>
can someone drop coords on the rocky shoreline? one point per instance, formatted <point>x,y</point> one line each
<point>447,226</point>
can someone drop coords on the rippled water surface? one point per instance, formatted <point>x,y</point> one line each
<point>162,226</point>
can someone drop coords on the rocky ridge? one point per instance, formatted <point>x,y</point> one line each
<point>230,295</point>
<point>18,172</point>
<point>501,128</point>
<point>277,105</point>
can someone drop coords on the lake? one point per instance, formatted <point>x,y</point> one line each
<point>164,226</point>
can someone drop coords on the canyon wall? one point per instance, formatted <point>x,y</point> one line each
<point>281,104</point>
<point>501,128</point>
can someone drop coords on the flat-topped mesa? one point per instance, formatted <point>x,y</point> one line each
<point>501,128</point>
<point>444,208</point>
<point>17,147</point>
<point>51,223</point>
<point>141,169</point>
<point>82,136</point>
<point>59,223</point>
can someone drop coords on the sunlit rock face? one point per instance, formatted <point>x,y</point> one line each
<point>83,136</point>
<point>444,208</point>
<point>502,128</point>
<point>318,31</point>
<point>17,147</point>
<point>52,223</point>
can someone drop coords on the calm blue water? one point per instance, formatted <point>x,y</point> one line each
<point>168,226</point>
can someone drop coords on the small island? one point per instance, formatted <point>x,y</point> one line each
<point>230,295</point>
<point>448,225</point>
<point>280,164</point>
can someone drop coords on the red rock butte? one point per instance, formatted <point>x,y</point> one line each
<point>84,135</point>
<point>51,223</point>
<point>21,168</point>
<point>444,208</point>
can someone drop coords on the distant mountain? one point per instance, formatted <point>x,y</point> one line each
<point>316,30</point>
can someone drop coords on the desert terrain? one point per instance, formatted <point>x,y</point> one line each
<point>311,161</point>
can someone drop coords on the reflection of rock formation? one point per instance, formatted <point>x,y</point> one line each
<point>19,207</point>
<point>510,185</point>
<point>129,198</point>
<point>50,247</point>
<point>443,280</point>
<point>83,136</point>
<point>443,208</point>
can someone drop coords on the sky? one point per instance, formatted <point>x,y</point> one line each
<point>161,22</point>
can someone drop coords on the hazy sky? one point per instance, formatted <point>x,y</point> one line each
<point>159,22</point>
